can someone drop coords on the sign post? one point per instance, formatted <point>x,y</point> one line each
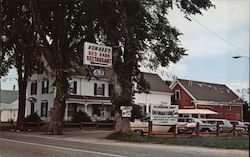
<point>126,111</point>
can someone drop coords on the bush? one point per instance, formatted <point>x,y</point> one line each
<point>136,112</point>
<point>34,117</point>
<point>81,116</point>
<point>129,137</point>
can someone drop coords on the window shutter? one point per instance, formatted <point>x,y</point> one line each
<point>75,87</point>
<point>47,86</point>
<point>42,87</point>
<point>103,89</point>
<point>111,88</point>
<point>46,114</point>
<point>41,113</point>
<point>95,89</point>
<point>32,105</point>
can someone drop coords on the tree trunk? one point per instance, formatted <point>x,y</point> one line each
<point>22,84</point>
<point>122,125</point>
<point>57,113</point>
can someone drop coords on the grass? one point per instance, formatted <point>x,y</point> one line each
<point>228,142</point>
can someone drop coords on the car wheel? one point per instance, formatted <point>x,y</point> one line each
<point>139,132</point>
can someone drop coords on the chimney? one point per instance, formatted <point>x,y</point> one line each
<point>14,87</point>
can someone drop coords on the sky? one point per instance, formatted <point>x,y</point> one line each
<point>211,41</point>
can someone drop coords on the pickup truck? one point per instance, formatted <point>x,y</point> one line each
<point>141,126</point>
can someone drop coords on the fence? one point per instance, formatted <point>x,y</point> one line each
<point>220,130</point>
<point>42,126</point>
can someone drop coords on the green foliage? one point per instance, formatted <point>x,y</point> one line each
<point>81,116</point>
<point>34,117</point>
<point>136,112</point>
<point>131,137</point>
<point>246,112</point>
<point>144,32</point>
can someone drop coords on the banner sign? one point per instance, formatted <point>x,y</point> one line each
<point>164,114</point>
<point>97,55</point>
<point>126,111</point>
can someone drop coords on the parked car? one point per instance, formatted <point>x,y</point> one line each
<point>224,124</point>
<point>189,124</point>
<point>141,126</point>
<point>239,124</point>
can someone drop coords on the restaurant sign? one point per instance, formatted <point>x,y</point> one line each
<point>97,55</point>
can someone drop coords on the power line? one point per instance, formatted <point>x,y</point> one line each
<point>211,31</point>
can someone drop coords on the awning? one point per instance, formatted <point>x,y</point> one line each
<point>196,111</point>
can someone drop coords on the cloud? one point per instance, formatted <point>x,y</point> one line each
<point>240,88</point>
<point>230,20</point>
<point>167,73</point>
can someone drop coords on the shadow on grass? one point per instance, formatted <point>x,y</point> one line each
<point>229,142</point>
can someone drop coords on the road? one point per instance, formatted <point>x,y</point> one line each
<point>84,144</point>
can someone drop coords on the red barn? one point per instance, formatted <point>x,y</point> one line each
<point>204,100</point>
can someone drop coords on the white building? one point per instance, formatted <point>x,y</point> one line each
<point>89,95</point>
<point>159,93</point>
<point>8,105</point>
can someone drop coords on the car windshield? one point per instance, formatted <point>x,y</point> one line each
<point>198,121</point>
<point>227,122</point>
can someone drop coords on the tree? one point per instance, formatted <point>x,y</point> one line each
<point>19,46</point>
<point>67,24</point>
<point>141,27</point>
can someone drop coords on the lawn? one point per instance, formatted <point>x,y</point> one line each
<point>228,142</point>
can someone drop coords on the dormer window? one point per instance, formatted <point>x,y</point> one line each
<point>177,94</point>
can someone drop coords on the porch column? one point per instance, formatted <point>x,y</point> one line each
<point>66,112</point>
<point>86,107</point>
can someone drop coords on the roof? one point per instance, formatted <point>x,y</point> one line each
<point>5,106</point>
<point>205,91</point>
<point>8,96</point>
<point>156,83</point>
<point>196,111</point>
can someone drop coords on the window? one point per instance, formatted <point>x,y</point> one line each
<point>99,89</point>
<point>45,86</point>
<point>177,95</point>
<point>229,108</point>
<point>32,107</point>
<point>33,89</point>
<point>73,87</point>
<point>44,109</point>
<point>195,115</point>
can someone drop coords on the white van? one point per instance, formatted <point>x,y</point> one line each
<point>224,124</point>
<point>189,124</point>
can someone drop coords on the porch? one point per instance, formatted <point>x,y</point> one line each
<point>98,108</point>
